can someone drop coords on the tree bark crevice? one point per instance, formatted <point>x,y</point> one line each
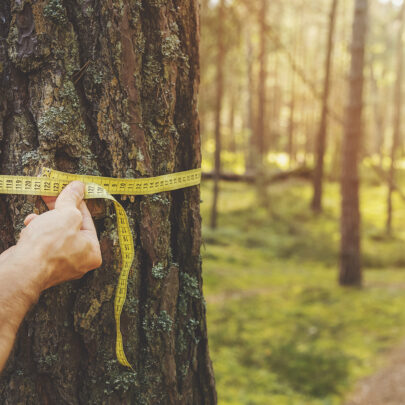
<point>109,89</point>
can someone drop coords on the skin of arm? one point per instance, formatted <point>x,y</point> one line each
<point>56,246</point>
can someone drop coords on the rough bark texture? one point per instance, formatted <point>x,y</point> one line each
<point>350,258</point>
<point>108,88</point>
<point>321,136</point>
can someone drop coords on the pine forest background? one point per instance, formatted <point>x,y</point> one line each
<point>301,107</point>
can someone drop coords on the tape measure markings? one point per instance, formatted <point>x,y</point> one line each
<point>140,186</point>
<point>53,182</point>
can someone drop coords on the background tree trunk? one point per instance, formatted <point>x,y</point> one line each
<point>234,93</point>
<point>380,110</point>
<point>250,154</point>
<point>108,88</point>
<point>291,144</point>
<point>321,136</point>
<point>350,259</point>
<point>396,136</point>
<point>261,139</point>
<point>218,111</point>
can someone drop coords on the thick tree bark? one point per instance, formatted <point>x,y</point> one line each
<point>350,258</point>
<point>108,88</point>
<point>397,119</point>
<point>321,136</point>
<point>218,111</point>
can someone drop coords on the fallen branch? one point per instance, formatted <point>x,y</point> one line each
<point>300,172</point>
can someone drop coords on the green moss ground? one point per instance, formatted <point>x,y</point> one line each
<point>281,330</point>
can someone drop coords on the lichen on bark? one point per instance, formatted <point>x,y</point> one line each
<point>108,88</point>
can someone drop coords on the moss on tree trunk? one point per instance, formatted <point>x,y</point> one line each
<point>108,88</point>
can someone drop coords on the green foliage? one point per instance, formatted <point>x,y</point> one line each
<point>309,368</point>
<point>281,330</point>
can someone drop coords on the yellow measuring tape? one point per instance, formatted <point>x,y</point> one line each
<point>52,182</point>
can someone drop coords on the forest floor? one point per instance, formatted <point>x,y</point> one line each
<point>281,331</point>
<point>386,386</point>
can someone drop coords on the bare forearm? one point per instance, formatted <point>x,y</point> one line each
<point>54,247</point>
<point>18,291</point>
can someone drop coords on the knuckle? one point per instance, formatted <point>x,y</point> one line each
<point>96,259</point>
<point>78,275</point>
<point>93,259</point>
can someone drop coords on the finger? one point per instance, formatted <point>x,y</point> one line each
<point>71,196</point>
<point>87,223</point>
<point>6,253</point>
<point>29,218</point>
<point>89,230</point>
<point>49,201</point>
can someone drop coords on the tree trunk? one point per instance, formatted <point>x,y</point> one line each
<point>218,111</point>
<point>397,119</point>
<point>350,260</point>
<point>231,121</point>
<point>108,88</point>
<point>261,142</point>
<point>380,113</point>
<point>250,157</point>
<point>321,136</point>
<point>275,102</point>
<point>291,123</point>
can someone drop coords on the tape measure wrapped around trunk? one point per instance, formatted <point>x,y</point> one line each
<point>52,182</point>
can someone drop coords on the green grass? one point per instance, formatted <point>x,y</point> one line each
<point>281,330</point>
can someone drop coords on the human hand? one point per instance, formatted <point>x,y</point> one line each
<point>61,244</point>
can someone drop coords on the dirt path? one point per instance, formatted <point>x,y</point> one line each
<point>385,387</point>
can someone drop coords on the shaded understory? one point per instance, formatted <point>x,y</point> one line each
<point>281,330</point>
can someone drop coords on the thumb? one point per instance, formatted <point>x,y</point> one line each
<point>71,196</point>
<point>29,218</point>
